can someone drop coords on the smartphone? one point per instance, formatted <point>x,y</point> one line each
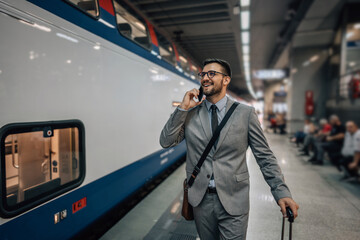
<point>201,94</point>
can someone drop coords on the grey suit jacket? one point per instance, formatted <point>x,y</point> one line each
<point>228,160</point>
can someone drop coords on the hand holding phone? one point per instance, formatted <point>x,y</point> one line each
<point>189,100</point>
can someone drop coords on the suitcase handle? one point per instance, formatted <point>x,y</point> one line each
<point>290,216</point>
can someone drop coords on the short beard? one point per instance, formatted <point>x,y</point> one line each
<point>214,90</point>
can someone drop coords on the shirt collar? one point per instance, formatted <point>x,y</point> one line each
<point>220,104</point>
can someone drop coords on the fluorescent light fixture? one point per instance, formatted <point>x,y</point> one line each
<point>306,63</point>
<point>246,58</point>
<point>351,64</point>
<point>246,49</point>
<point>140,25</point>
<point>245,20</point>
<point>349,34</point>
<point>270,74</point>
<point>245,37</point>
<point>357,25</point>
<point>97,47</point>
<point>314,58</point>
<point>245,3</point>
<point>247,65</point>
<point>236,10</point>
<point>183,59</point>
<point>68,61</point>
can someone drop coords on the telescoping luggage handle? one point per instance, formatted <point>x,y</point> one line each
<point>290,216</point>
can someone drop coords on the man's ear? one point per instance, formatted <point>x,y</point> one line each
<point>227,80</point>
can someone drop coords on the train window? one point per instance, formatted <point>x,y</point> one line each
<point>184,62</point>
<point>131,25</point>
<point>39,161</point>
<point>193,70</point>
<point>89,6</point>
<point>166,49</point>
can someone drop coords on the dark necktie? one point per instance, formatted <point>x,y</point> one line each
<point>214,118</point>
<point>214,125</point>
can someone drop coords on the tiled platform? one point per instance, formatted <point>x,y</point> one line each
<point>329,208</point>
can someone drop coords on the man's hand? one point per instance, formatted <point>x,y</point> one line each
<point>352,165</point>
<point>288,202</point>
<point>188,101</point>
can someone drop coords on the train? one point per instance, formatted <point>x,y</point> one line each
<point>85,89</point>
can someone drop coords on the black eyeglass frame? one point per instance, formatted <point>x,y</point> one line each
<point>202,74</point>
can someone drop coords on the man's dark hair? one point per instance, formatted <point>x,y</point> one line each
<point>223,63</point>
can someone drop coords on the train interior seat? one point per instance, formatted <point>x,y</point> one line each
<point>11,199</point>
<point>88,6</point>
<point>143,41</point>
<point>125,29</point>
<point>41,188</point>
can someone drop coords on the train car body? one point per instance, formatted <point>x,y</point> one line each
<point>82,108</point>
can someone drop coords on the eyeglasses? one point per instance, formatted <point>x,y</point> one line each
<point>210,74</point>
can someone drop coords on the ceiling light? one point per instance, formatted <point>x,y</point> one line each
<point>183,59</point>
<point>246,58</point>
<point>351,64</point>
<point>236,10</point>
<point>306,63</point>
<point>245,20</point>
<point>314,58</point>
<point>349,34</point>
<point>246,49</point>
<point>245,37</point>
<point>245,3</point>
<point>246,64</point>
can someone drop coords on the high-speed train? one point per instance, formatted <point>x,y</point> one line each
<point>85,89</point>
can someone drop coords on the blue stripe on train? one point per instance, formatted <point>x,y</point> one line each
<point>75,16</point>
<point>102,195</point>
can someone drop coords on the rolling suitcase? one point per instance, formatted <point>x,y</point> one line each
<point>290,215</point>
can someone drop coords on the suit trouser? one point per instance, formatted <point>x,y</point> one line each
<point>213,222</point>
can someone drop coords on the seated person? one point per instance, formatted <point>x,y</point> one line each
<point>351,150</point>
<point>272,120</point>
<point>281,122</point>
<point>309,139</point>
<point>332,144</point>
<point>299,136</point>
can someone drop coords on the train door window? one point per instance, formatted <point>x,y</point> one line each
<point>38,162</point>
<point>131,25</point>
<point>166,49</point>
<point>89,6</point>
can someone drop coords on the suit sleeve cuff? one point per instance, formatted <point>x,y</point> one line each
<point>182,109</point>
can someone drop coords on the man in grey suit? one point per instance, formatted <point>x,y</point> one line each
<point>220,193</point>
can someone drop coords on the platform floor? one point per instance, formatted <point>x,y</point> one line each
<point>329,207</point>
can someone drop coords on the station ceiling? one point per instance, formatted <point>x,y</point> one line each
<point>211,28</point>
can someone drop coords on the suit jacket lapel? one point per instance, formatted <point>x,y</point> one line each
<point>205,122</point>
<point>226,127</point>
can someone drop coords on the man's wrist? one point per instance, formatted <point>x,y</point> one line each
<point>182,109</point>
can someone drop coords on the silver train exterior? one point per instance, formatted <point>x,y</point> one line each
<point>82,108</point>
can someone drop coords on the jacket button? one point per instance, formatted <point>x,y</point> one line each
<point>208,176</point>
